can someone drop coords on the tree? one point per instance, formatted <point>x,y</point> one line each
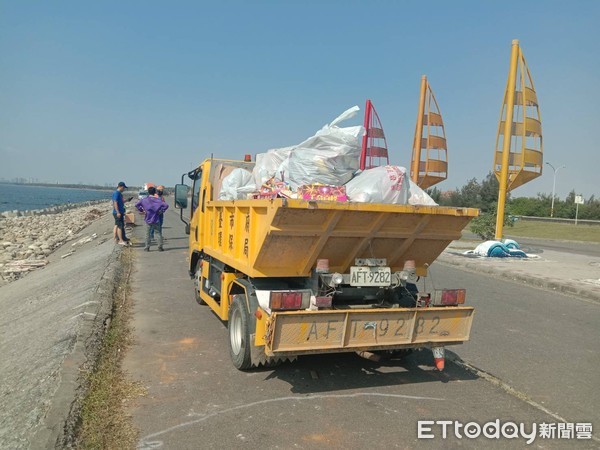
<point>566,209</point>
<point>435,194</point>
<point>484,196</point>
<point>470,194</point>
<point>527,206</point>
<point>484,226</point>
<point>591,209</point>
<point>489,192</point>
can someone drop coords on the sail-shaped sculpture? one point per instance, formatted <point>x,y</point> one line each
<point>429,163</point>
<point>519,154</point>
<point>374,147</point>
<point>524,131</point>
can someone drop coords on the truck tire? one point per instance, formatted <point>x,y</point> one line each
<point>239,334</point>
<point>197,287</point>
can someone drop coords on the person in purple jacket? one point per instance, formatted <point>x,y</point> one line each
<point>153,207</point>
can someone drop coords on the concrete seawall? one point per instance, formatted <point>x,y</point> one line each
<point>52,321</point>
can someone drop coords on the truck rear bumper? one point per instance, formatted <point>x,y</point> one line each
<point>305,332</point>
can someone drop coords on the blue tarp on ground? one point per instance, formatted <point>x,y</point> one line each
<point>497,249</point>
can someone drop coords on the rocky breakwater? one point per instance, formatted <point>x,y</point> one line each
<point>27,238</point>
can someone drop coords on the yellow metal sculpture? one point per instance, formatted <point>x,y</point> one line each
<point>518,157</point>
<point>429,163</point>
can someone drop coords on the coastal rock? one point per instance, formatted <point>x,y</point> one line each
<point>32,236</point>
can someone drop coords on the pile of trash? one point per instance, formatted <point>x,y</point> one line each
<point>323,167</point>
<point>498,249</point>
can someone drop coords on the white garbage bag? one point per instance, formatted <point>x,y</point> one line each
<point>385,184</point>
<point>418,196</point>
<point>329,157</point>
<point>268,164</point>
<point>237,185</point>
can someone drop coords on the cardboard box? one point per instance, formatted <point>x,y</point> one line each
<point>274,189</point>
<point>129,219</point>
<point>323,192</point>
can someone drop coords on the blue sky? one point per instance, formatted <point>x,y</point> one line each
<point>142,90</point>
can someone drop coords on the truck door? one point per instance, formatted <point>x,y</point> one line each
<point>197,201</point>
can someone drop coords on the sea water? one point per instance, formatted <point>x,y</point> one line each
<point>25,197</point>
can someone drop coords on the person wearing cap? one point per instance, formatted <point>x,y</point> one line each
<point>119,213</point>
<point>152,207</point>
<point>161,217</point>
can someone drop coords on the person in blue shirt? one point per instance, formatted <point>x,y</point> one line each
<point>119,213</point>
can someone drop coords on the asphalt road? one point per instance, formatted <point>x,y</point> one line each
<point>532,245</point>
<point>542,346</point>
<point>541,343</point>
<point>537,246</point>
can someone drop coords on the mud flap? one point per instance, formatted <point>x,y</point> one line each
<point>259,358</point>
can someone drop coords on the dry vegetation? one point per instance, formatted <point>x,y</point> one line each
<point>104,421</point>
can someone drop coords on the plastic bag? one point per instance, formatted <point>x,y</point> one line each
<point>386,184</point>
<point>329,157</point>
<point>418,196</point>
<point>268,164</point>
<point>237,185</point>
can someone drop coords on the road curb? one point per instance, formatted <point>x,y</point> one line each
<point>529,279</point>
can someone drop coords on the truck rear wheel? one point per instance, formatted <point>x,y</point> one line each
<point>198,283</point>
<point>239,334</point>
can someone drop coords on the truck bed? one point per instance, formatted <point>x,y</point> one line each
<point>285,237</point>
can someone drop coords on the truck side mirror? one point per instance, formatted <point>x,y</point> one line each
<point>181,194</point>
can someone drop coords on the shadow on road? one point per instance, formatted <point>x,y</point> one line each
<point>327,373</point>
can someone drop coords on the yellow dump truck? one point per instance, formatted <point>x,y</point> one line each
<point>295,277</point>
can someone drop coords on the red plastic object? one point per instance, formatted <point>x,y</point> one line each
<point>374,147</point>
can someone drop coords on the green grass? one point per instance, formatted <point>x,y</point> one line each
<point>550,230</point>
<point>104,421</point>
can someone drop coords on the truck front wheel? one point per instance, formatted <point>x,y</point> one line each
<point>239,334</point>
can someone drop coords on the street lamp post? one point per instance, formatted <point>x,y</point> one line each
<point>554,186</point>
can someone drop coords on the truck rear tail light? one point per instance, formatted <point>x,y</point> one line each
<point>288,300</point>
<point>449,297</point>
<point>323,302</point>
